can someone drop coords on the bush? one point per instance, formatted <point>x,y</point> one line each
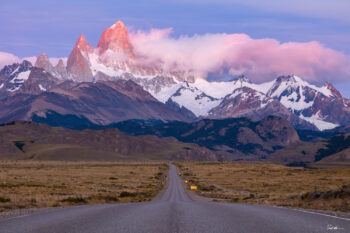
<point>109,198</point>
<point>127,194</point>
<point>5,199</point>
<point>106,198</point>
<point>249,197</point>
<point>76,200</point>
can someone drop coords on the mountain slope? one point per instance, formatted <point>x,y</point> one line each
<point>103,102</point>
<point>13,76</point>
<point>328,152</point>
<point>322,106</point>
<point>28,140</point>
<point>235,139</point>
<point>194,99</point>
<point>247,102</point>
<point>114,59</point>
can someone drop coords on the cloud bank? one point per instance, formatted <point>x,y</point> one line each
<point>9,59</point>
<point>259,59</point>
<point>235,54</point>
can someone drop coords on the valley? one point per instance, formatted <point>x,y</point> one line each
<point>175,210</point>
<point>174,116</point>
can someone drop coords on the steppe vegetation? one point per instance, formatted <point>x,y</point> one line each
<point>271,184</point>
<point>28,184</point>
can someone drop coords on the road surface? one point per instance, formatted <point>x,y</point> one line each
<point>174,211</point>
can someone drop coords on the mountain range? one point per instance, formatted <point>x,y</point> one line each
<point>232,138</point>
<point>23,140</point>
<point>109,84</point>
<point>272,139</point>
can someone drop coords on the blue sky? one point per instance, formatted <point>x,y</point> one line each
<point>31,27</point>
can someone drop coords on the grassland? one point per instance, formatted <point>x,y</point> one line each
<point>271,184</point>
<point>51,184</point>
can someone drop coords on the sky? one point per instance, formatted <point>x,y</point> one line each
<point>29,28</point>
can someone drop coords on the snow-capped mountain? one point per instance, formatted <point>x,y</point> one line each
<point>194,99</point>
<point>304,104</point>
<point>308,101</point>
<point>243,101</point>
<point>13,76</point>
<point>247,102</point>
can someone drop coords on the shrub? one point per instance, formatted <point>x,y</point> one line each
<point>5,199</point>
<point>75,200</point>
<point>127,194</point>
<point>106,198</point>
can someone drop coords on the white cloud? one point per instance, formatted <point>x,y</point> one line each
<point>259,59</point>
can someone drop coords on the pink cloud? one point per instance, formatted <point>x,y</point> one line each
<point>153,35</point>
<point>7,59</point>
<point>259,59</point>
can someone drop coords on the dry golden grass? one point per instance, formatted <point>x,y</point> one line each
<point>50,184</point>
<point>271,184</point>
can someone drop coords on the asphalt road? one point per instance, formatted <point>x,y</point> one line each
<point>174,211</point>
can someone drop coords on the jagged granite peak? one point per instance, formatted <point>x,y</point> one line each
<point>60,64</point>
<point>116,39</point>
<point>322,106</point>
<point>83,45</point>
<point>43,62</point>
<point>77,64</point>
<point>61,70</point>
<point>114,58</point>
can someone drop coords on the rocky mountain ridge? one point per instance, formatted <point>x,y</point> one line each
<point>23,140</point>
<point>305,105</point>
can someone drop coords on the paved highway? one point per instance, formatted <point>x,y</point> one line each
<point>174,211</point>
